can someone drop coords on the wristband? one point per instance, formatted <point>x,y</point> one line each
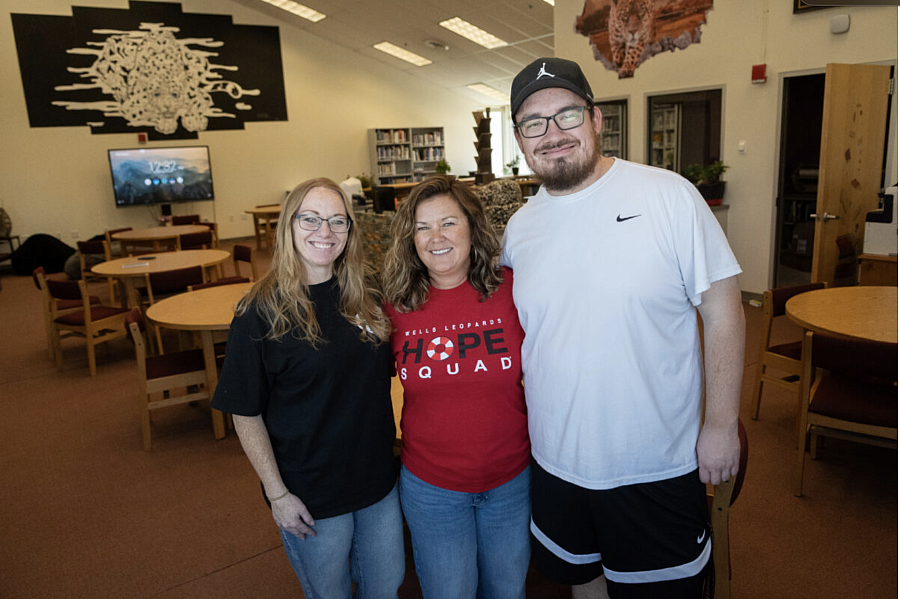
<point>283,495</point>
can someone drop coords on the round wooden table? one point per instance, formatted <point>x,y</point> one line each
<point>206,311</point>
<point>131,268</point>
<point>858,312</point>
<point>157,236</point>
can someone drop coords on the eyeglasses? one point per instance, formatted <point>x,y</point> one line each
<point>311,222</point>
<point>569,118</point>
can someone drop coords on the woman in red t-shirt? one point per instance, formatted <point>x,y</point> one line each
<point>465,476</point>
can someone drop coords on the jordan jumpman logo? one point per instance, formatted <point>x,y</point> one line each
<point>543,72</point>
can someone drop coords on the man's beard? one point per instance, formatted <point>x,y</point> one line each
<point>568,172</point>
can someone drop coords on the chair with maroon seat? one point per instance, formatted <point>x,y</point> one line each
<point>160,285</point>
<point>117,248</point>
<point>196,241</point>
<point>187,219</point>
<point>784,357</point>
<point>720,502</point>
<point>96,323</point>
<point>171,282</point>
<point>164,380</point>
<point>245,253</point>
<point>96,248</point>
<point>848,390</point>
<point>62,306</point>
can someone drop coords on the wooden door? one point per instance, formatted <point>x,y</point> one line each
<point>853,138</point>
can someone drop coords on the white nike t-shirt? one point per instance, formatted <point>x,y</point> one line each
<point>606,284</point>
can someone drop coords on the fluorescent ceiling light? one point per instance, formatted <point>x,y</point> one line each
<point>551,2</point>
<point>471,32</point>
<point>398,52</point>
<point>297,9</point>
<point>490,92</point>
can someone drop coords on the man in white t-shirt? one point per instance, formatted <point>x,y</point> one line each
<point>613,260</point>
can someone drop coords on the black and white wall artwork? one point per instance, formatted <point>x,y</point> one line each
<point>149,68</point>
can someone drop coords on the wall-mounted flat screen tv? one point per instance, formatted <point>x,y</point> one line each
<point>144,176</point>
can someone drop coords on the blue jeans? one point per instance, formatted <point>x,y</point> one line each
<point>469,544</point>
<point>366,545</point>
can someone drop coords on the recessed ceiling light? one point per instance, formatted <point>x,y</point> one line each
<point>297,9</point>
<point>471,32</point>
<point>490,92</point>
<point>551,2</point>
<point>398,52</point>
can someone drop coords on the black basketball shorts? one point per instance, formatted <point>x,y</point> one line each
<point>648,539</point>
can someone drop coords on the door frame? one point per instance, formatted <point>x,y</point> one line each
<point>891,170</point>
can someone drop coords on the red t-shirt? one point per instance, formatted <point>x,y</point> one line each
<point>464,423</point>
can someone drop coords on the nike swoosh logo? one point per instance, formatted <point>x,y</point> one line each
<point>701,537</point>
<point>622,219</point>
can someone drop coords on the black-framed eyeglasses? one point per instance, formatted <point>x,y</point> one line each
<point>311,222</point>
<point>569,118</point>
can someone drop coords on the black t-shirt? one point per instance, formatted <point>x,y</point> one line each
<point>327,409</point>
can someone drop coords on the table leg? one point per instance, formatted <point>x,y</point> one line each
<point>212,379</point>
<point>270,235</point>
<point>256,232</point>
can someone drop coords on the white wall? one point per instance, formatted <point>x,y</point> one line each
<point>57,180</point>
<point>738,35</point>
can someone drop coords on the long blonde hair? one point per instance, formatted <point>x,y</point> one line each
<point>405,278</point>
<point>282,296</point>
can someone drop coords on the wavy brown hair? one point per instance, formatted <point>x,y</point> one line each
<point>405,278</point>
<point>282,296</point>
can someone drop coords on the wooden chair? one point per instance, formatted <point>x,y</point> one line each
<point>170,282</point>
<point>164,379</point>
<point>720,501</point>
<point>187,219</point>
<point>214,229</point>
<point>196,241</point>
<point>116,248</point>
<point>848,390</point>
<point>785,357</point>
<point>264,228</point>
<point>39,276</point>
<point>96,248</point>
<point>95,322</point>
<point>245,253</point>
<point>160,285</point>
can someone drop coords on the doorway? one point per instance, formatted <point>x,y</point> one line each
<point>798,177</point>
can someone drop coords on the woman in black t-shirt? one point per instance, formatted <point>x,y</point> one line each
<point>307,378</point>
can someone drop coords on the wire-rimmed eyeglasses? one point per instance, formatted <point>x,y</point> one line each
<point>311,222</point>
<point>569,118</point>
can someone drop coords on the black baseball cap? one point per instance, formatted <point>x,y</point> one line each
<point>549,72</point>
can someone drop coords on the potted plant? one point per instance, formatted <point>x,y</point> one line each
<point>708,180</point>
<point>513,165</point>
<point>442,167</point>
